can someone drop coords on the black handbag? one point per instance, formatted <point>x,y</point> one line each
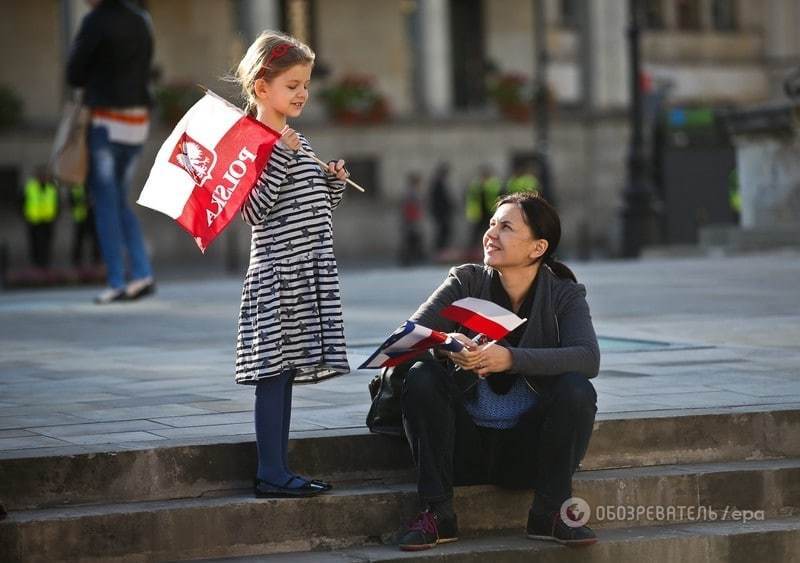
<point>385,414</point>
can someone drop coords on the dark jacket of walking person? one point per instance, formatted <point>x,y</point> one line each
<point>441,207</point>
<point>516,413</point>
<point>111,59</point>
<point>40,210</point>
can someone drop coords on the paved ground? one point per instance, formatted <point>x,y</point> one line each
<point>720,332</point>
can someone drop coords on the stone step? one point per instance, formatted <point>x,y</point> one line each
<point>713,542</point>
<point>642,439</point>
<point>356,514</point>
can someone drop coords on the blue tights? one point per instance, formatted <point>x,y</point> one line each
<point>273,411</point>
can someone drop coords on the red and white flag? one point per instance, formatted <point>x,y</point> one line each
<point>206,168</point>
<point>483,317</point>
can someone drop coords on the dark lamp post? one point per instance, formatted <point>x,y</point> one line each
<point>540,101</point>
<point>638,215</point>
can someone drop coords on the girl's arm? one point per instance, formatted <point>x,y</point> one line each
<point>578,352</point>
<point>335,186</point>
<point>336,189</point>
<point>265,192</point>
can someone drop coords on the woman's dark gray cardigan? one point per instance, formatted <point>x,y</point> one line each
<point>559,337</point>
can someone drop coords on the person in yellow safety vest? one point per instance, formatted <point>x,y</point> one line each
<point>83,225</point>
<point>481,197</point>
<point>734,194</point>
<point>522,180</point>
<point>40,210</point>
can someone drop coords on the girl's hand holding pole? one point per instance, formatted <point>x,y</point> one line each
<point>290,138</point>
<point>336,168</point>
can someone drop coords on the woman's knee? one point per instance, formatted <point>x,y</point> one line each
<point>576,391</point>
<point>424,382</point>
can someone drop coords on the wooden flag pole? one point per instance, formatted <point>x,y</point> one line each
<point>325,167</point>
<point>301,150</point>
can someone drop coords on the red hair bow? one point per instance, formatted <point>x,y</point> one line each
<point>278,51</point>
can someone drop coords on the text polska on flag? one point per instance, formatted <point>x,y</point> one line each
<point>206,168</point>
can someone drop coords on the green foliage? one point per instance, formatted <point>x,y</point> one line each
<point>174,100</point>
<point>514,95</point>
<point>355,99</point>
<point>510,89</point>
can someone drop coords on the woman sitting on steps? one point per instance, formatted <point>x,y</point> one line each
<point>516,413</point>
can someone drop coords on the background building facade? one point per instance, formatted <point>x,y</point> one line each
<point>434,62</point>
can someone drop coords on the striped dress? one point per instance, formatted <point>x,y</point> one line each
<point>291,314</point>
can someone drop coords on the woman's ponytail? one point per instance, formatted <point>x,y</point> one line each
<point>559,268</point>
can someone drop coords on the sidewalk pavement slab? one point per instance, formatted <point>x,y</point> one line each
<point>678,335</point>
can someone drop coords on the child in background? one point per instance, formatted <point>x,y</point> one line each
<point>290,322</point>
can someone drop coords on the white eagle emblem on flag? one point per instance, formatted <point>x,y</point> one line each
<point>194,158</point>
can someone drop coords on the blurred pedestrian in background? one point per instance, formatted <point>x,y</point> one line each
<point>40,210</point>
<point>83,229</point>
<point>111,59</point>
<point>411,251</point>
<point>522,179</point>
<point>441,207</point>
<point>482,194</point>
<point>734,195</point>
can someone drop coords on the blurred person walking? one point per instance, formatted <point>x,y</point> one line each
<point>411,249</point>
<point>290,321</point>
<point>441,207</point>
<point>111,60</point>
<point>40,210</point>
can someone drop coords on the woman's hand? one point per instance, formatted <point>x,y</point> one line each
<point>290,138</point>
<point>469,356</point>
<point>493,359</point>
<point>483,360</point>
<point>336,168</point>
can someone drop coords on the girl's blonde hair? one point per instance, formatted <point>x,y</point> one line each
<point>270,55</point>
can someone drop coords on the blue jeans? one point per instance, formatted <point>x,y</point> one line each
<point>111,168</point>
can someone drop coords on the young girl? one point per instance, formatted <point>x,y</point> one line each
<point>290,322</point>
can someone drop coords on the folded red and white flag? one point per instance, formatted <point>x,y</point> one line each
<point>408,341</point>
<point>206,168</point>
<point>483,317</point>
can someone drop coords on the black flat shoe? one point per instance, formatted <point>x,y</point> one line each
<point>265,489</point>
<point>318,483</point>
